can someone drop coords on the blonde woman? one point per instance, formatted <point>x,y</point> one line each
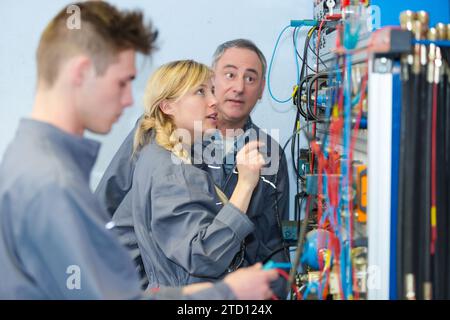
<point>184,227</point>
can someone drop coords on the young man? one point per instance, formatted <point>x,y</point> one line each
<point>239,81</point>
<point>55,238</point>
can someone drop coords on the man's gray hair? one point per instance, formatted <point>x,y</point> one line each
<point>241,44</point>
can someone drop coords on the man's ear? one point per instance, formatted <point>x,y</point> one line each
<point>81,70</point>
<point>166,107</point>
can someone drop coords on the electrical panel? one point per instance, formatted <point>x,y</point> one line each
<point>370,150</point>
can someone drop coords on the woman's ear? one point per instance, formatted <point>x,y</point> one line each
<point>166,107</point>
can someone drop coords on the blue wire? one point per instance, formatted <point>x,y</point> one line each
<point>350,42</point>
<point>347,137</point>
<point>270,68</point>
<point>355,100</point>
<point>439,43</point>
<point>308,288</point>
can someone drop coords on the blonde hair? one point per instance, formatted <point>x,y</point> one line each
<point>168,83</point>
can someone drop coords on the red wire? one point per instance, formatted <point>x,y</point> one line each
<point>317,71</point>
<point>352,147</point>
<point>319,187</point>
<point>316,88</point>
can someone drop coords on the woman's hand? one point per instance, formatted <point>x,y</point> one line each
<point>249,163</point>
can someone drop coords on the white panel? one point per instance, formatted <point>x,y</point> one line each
<point>379,187</point>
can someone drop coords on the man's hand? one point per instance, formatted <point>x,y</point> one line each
<point>252,283</point>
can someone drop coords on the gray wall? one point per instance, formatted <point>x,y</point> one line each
<point>187,29</point>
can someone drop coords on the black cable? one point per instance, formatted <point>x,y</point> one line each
<point>293,158</point>
<point>299,96</point>
<point>315,54</point>
<point>299,251</point>
<point>306,77</point>
<point>305,51</point>
<point>299,205</point>
<point>293,151</point>
<point>442,192</point>
<point>421,185</point>
<point>427,99</point>
<point>295,48</point>
<point>440,261</point>
<point>409,226</point>
<point>308,91</point>
<point>303,77</point>
<point>405,77</point>
<point>274,252</point>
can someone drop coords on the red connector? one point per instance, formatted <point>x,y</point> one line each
<point>333,17</point>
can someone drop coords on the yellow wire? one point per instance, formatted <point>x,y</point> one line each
<point>295,91</point>
<point>311,31</point>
